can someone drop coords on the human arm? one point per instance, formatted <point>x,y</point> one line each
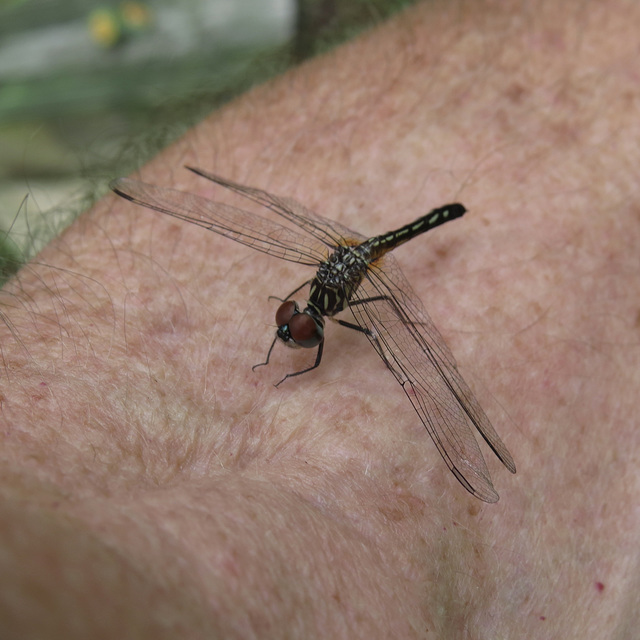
<point>154,480</point>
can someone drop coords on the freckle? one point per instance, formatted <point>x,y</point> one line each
<point>516,93</point>
<point>441,252</point>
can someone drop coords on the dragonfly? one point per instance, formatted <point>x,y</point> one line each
<point>356,273</point>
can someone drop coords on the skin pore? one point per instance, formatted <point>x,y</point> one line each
<point>154,486</point>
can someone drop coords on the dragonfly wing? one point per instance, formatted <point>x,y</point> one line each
<point>247,228</point>
<point>329,232</point>
<point>409,343</point>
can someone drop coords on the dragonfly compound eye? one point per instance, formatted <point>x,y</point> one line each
<point>285,312</point>
<point>305,330</point>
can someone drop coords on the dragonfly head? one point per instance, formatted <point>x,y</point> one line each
<point>299,328</point>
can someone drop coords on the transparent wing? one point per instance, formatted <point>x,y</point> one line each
<point>329,232</point>
<point>409,343</point>
<point>247,228</point>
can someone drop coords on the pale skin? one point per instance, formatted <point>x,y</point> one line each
<point>154,486</point>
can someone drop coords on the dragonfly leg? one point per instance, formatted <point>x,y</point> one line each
<point>262,364</point>
<point>389,299</point>
<point>372,336</point>
<point>355,327</point>
<point>315,365</point>
<point>293,293</point>
<point>394,305</point>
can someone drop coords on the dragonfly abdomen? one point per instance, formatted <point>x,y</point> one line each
<point>379,245</point>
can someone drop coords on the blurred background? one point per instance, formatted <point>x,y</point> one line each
<point>90,89</point>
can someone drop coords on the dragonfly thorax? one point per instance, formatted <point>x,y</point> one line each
<point>336,280</point>
<point>299,328</point>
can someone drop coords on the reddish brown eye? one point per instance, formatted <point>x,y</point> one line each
<point>285,312</point>
<point>305,330</point>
